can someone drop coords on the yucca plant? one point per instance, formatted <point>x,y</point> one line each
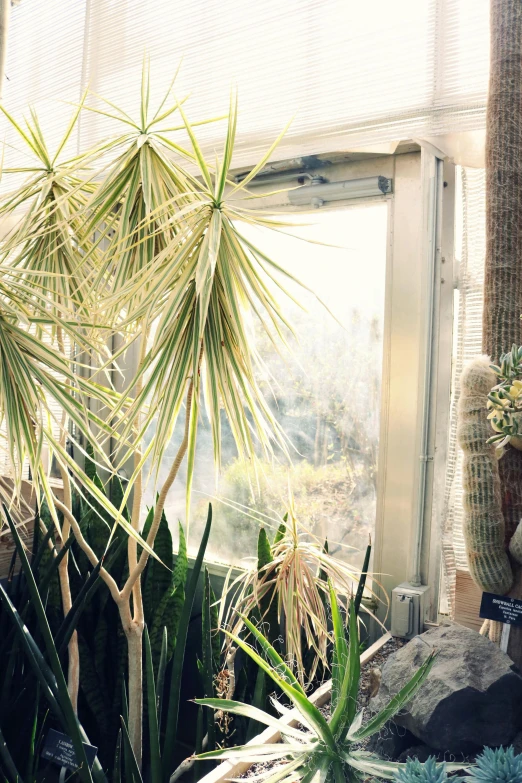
<point>289,586</point>
<point>190,283</point>
<point>322,748</point>
<point>147,234</point>
<point>46,343</point>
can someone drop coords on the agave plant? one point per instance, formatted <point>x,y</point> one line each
<point>290,585</point>
<point>415,772</point>
<point>499,765</point>
<point>329,748</point>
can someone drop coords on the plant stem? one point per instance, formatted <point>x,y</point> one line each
<point>134,624</point>
<point>133,620</point>
<point>162,497</point>
<point>73,674</point>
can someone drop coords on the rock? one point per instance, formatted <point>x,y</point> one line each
<point>391,741</point>
<point>420,752</point>
<point>517,743</point>
<point>471,698</point>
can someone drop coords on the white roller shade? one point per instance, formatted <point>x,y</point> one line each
<point>352,73</point>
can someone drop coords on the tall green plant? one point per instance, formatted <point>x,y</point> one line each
<point>151,250</point>
<point>327,747</point>
<point>288,586</point>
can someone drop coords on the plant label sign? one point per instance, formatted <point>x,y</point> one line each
<point>59,748</point>
<point>501,608</point>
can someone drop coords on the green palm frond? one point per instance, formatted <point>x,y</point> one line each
<point>45,240</point>
<point>201,289</point>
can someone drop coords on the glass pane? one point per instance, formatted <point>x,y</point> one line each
<point>325,393</point>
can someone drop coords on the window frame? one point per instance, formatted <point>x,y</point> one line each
<point>417,357</point>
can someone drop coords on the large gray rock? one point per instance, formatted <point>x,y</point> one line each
<point>472,697</point>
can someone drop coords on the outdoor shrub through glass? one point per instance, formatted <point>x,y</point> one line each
<point>326,394</point>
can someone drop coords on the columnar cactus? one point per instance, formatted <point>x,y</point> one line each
<point>483,520</point>
<point>503,268</point>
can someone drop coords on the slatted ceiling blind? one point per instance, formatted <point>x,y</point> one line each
<point>353,73</point>
<point>468,344</point>
<point>43,68</point>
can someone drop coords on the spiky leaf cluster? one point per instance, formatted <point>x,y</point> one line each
<point>499,765</point>
<point>323,749</point>
<point>415,772</point>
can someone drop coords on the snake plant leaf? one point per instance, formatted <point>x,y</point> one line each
<point>7,759</point>
<point>69,718</point>
<point>166,618</point>
<point>207,664</point>
<point>91,686</point>
<point>258,701</point>
<point>158,577</point>
<point>179,572</point>
<point>132,770</point>
<point>362,579</point>
<point>161,674</point>
<point>154,744</point>
<point>37,661</point>
<point>116,772</point>
<point>179,655</point>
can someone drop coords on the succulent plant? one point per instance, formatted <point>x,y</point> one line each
<point>497,766</point>
<point>505,399</point>
<point>327,748</point>
<point>415,772</point>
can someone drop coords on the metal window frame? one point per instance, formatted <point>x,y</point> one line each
<point>417,356</point>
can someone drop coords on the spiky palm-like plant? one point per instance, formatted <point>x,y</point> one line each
<point>159,258</point>
<point>322,749</point>
<point>45,342</point>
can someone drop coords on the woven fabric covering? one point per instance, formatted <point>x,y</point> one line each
<point>503,273</point>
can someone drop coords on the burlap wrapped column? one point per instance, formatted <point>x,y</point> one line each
<point>502,325</point>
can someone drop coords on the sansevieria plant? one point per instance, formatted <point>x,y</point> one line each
<point>322,749</point>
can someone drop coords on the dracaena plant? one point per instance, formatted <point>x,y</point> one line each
<point>326,749</point>
<point>157,255</point>
<point>289,586</point>
<point>47,340</point>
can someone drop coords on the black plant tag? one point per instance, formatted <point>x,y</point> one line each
<point>59,748</point>
<point>501,608</point>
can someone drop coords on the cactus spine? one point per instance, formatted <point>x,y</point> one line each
<point>483,520</point>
